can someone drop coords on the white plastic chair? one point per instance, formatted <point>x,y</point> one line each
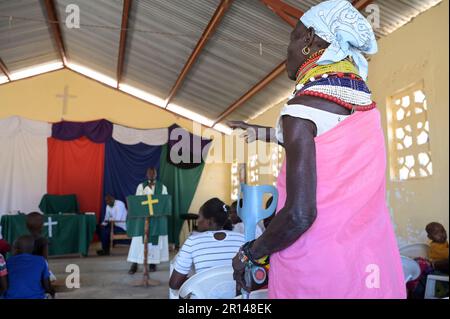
<point>257,294</point>
<point>415,250</point>
<point>214,283</point>
<point>411,269</point>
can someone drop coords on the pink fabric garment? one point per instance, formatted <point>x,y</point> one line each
<point>350,251</point>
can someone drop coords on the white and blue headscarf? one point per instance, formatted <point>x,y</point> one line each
<point>347,31</point>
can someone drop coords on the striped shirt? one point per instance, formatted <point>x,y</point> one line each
<point>204,251</point>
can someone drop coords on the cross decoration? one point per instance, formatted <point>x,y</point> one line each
<point>150,203</point>
<point>50,224</point>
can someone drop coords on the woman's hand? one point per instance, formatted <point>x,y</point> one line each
<point>251,131</point>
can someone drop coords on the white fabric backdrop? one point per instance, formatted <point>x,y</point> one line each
<point>23,164</point>
<point>130,136</point>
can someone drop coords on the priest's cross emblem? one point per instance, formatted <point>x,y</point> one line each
<point>150,203</point>
<point>50,225</point>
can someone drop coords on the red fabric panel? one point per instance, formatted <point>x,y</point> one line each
<point>76,167</point>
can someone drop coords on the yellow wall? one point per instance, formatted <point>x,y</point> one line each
<point>35,98</point>
<point>416,51</point>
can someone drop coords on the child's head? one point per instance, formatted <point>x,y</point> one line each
<point>233,215</point>
<point>23,245</point>
<point>213,215</point>
<point>35,222</point>
<point>436,232</point>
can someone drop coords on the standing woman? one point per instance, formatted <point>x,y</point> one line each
<point>332,236</point>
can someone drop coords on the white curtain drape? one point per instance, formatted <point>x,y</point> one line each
<point>130,136</point>
<point>23,164</point>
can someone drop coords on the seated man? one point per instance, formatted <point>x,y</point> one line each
<point>209,247</point>
<point>117,212</point>
<point>28,275</point>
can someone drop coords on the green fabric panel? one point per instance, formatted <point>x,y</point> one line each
<point>137,211</point>
<point>181,185</point>
<point>71,235</point>
<point>54,204</point>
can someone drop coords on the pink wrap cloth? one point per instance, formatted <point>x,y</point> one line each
<point>350,251</point>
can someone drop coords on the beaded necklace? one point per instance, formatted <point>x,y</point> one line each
<point>337,82</point>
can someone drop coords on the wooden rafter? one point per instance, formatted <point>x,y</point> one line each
<point>5,70</point>
<point>281,9</point>
<point>207,33</point>
<point>287,12</point>
<point>54,23</point>
<point>123,39</point>
<point>255,89</point>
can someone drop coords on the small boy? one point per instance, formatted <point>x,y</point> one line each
<point>35,224</point>
<point>28,275</point>
<point>438,252</point>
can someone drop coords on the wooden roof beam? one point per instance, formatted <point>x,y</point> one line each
<point>207,33</point>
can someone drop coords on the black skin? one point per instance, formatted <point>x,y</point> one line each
<point>152,174</point>
<point>203,224</point>
<point>300,210</point>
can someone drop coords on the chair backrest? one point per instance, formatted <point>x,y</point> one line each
<point>411,269</point>
<point>257,294</point>
<point>415,250</point>
<point>213,283</point>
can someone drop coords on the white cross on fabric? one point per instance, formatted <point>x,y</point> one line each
<point>50,227</point>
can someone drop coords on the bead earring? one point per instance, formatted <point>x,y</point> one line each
<point>306,50</point>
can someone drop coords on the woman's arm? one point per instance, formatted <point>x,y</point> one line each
<point>177,280</point>
<point>254,132</point>
<point>299,211</point>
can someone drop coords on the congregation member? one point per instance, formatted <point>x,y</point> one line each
<point>28,274</point>
<point>332,218</point>
<point>116,212</point>
<point>212,245</point>
<point>156,253</point>
<point>35,224</point>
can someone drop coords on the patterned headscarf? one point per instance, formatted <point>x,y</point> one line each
<point>347,31</point>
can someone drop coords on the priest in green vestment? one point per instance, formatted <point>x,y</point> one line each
<point>159,252</point>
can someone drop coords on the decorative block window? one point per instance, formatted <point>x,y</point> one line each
<point>408,132</point>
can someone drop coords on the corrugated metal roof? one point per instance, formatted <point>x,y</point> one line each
<point>96,43</point>
<point>162,36</point>
<point>231,62</point>
<point>249,42</point>
<point>25,38</point>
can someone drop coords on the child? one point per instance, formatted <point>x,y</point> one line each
<point>438,252</point>
<point>28,275</point>
<point>35,223</point>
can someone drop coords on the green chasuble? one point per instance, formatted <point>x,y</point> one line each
<point>157,207</point>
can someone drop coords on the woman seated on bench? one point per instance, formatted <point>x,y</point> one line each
<point>213,245</point>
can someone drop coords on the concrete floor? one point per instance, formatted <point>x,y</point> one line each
<point>107,277</point>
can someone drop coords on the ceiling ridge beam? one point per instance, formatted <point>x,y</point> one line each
<point>5,70</point>
<point>358,4</point>
<point>207,33</point>
<point>123,39</point>
<point>57,35</point>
